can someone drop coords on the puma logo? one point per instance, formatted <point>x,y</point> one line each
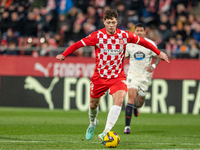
<point>42,69</point>
<point>32,84</point>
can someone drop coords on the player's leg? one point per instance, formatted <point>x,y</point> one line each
<point>97,89</point>
<point>114,112</point>
<point>139,100</point>
<point>118,92</point>
<point>132,94</point>
<point>93,111</point>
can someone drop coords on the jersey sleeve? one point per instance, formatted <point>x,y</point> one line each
<point>90,40</point>
<point>133,38</point>
<point>152,42</point>
<point>153,53</point>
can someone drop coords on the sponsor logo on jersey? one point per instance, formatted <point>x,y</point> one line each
<point>139,55</point>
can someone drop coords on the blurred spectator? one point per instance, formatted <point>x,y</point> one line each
<point>28,48</point>
<point>76,33</point>
<point>187,31</point>
<point>164,19</point>
<point>62,20</point>
<point>122,16</point>
<point>36,12</point>
<point>194,49</point>
<point>171,47</point>
<point>174,30</point>
<point>3,46</point>
<point>130,27</point>
<point>164,32</point>
<point>100,21</point>
<point>196,33</point>
<point>15,24</point>
<point>45,49</point>
<point>59,39</point>
<point>192,20</point>
<point>10,36</point>
<point>99,3</point>
<point>52,5</point>
<point>49,24</point>
<point>81,18</point>
<point>148,12</point>
<point>185,3</point>
<point>72,14</point>
<point>100,24</point>
<point>180,10</point>
<point>81,4</point>
<point>154,35</point>
<point>180,26</point>
<point>64,6</point>
<point>30,27</point>
<point>4,4</point>
<point>92,15</point>
<point>134,10</point>
<point>11,49</point>
<point>182,50</point>
<point>163,6</point>
<point>88,28</point>
<point>11,8</point>
<point>22,13</point>
<point>4,22</point>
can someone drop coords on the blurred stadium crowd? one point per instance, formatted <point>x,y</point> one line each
<point>47,27</point>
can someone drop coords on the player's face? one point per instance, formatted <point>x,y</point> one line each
<point>140,31</point>
<point>111,25</point>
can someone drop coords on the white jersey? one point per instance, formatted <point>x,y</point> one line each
<point>140,57</point>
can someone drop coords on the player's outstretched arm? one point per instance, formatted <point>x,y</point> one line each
<point>163,57</point>
<point>60,57</point>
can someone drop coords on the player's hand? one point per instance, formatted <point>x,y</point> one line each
<point>149,69</point>
<point>60,57</point>
<point>163,57</point>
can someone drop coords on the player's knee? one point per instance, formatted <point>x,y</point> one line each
<point>93,105</point>
<point>119,102</point>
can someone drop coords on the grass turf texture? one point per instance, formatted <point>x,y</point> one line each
<point>28,128</point>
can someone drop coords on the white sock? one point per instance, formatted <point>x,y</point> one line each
<point>112,117</point>
<point>92,115</point>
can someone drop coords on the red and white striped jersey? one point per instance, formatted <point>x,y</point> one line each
<point>110,50</point>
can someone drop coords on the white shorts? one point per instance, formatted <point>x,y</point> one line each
<point>141,83</point>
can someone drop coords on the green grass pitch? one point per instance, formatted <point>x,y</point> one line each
<point>30,128</point>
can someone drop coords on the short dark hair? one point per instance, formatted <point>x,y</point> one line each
<point>140,25</point>
<point>109,14</point>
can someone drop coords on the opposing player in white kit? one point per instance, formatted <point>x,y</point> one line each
<point>110,44</point>
<point>139,75</point>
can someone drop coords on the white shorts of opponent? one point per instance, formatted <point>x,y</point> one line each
<point>140,82</point>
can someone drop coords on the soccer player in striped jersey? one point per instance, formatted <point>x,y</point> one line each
<point>110,44</point>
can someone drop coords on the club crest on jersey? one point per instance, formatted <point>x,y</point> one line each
<point>121,41</point>
<point>139,55</point>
